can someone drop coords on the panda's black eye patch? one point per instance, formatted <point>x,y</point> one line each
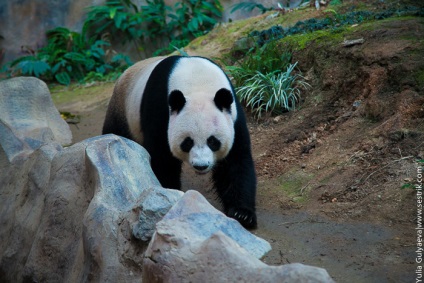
<point>187,144</point>
<point>213,143</point>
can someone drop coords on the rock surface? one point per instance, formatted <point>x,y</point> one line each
<point>28,117</point>
<point>70,219</point>
<point>196,243</point>
<point>156,202</point>
<point>66,213</point>
<point>193,219</point>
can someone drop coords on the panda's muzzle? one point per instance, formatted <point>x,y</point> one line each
<point>201,169</point>
<point>201,159</point>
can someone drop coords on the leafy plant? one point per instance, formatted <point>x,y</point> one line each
<point>175,44</point>
<point>272,92</point>
<point>154,16</point>
<point>266,80</point>
<point>194,17</point>
<point>250,6</point>
<point>269,58</point>
<point>155,21</point>
<point>335,2</point>
<point>68,56</point>
<point>117,18</point>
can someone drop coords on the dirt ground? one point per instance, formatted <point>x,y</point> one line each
<point>335,177</point>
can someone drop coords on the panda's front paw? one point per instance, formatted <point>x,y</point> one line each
<point>246,217</point>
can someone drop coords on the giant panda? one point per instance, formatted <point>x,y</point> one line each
<point>184,109</point>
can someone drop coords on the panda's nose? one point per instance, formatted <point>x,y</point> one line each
<point>200,167</point>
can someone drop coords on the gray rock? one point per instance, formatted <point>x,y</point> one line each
<point>191,244</point>
<point>123,173</point>
<point>154,204</point>
<point>194,218</point>
<point>23,189</point>
<point>66,214</point>
<point>123,169</point>
<point>28,118</point>
<point>57,246</point>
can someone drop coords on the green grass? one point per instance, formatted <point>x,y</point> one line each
<point>330,36</point>
<point>294,184</point>
<point>75,92</point>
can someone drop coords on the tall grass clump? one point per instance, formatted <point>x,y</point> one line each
<point>273,92</point>
<point>267,81</point>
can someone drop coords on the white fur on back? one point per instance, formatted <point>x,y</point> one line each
<point>133,101</point>
<point>198,78</point>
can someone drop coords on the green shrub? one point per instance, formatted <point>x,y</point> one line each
<point>194,17</point>
<point>68,56</point>
<point>250,6</point>
<point>116,18</point>
<point>88,56</point>
<point>335,2</point>
<point>268,58</point>
<point>163,25</point>
<point>174,45</point>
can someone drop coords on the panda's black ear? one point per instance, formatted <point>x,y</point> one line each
<point>176,101</point>
<point>223,99</point>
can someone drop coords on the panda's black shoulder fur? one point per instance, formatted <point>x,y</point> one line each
<point>154,113</point>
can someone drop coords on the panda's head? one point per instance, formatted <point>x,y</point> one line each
<point>202,114</point>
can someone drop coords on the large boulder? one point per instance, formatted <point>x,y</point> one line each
<point>192,219</point>
<point>85,231</point>
<point>23,191</point>
<point>196,243</point>
<point>28,117</point>
<point>67,214</point>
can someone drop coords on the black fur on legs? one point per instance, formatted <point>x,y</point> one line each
<point>234,177</point>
